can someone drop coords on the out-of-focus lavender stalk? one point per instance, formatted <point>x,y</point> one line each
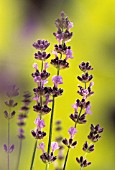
<point>59,163</point>
<point>12,92</point>
<point>21,122</point>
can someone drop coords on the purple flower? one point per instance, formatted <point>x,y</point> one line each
<point>68,53</point>
<point>91,84</point>
<point>40,123</point>
<point>46,65</point>
<point>35,65</point>
<point>88,111</point>
<point>41,55</point>
<point>42,146</point>
<point>11,149</point>
<point>54,146</point>
<point>41,44</point>
<point>5,147</point>
<point>47,97</point>
<point>72,131</point>
<point>36,98</point>
<point>57,80</point>
<point>70,25</point>
<point>75,106</point>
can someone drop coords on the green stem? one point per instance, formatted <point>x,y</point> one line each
<point>80,168</point>
<point>42,65</point>
<point>78,117</point>
<point>47,166</point>
<point>66,158</point>
<point>8,143</point>
<point>51,125</point>
<point>58,70</point>
<point>33,156</point>
<point>19,155</point>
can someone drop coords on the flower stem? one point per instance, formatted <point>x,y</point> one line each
<point>42,65</point>
<point>66,158</point>
<point>47,166</point>
<point>80,168</point>
<point>33,156</point>
<point>8,143</point>
<point>78,117</point>
<point>51,125</point>
<point>19,155</point>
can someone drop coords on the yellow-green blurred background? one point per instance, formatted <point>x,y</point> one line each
<point>23,22</point>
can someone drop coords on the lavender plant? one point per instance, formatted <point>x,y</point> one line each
<point>12,92</point>
<point>21,122</point>
<point>43,93</point>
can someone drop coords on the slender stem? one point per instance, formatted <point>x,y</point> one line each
<point>42,65</point>
<point>66,158</point>
<point>78,117</point>
<point>58,70</point>
<point>19,155</point>
<point>51,125</point>
<point>47,166</point>
<point>33,156</point>
<point>80,168</point>
<point>85,85</point>
<point>8,143</point>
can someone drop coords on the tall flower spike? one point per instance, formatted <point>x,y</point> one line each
<point>61,51</point>
<point>23,114</point>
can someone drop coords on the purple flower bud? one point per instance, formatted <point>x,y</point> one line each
<point>57,80</point>
<point>35,65</point>
<point>54,146</point>
<point>11,148</point>
<point>40,123</point>
<point>75,106</point>
<point>70,25</point>
<point>36,98</point>
<point>46,65</point>
<point>42,146</point>
<point>72,131</point>
<point>41,44</point>
<point>5,147</point>
<point>91,84</point>
<point>88,111</point>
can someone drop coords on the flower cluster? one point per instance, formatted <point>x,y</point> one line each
<point>85,92</point>
<point>95,131</point>
<point>23,114</point>
<point>61,51</point>
<point>45,157</point>
<point>70,143</point>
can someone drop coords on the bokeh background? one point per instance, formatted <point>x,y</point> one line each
<point>23,22</point>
